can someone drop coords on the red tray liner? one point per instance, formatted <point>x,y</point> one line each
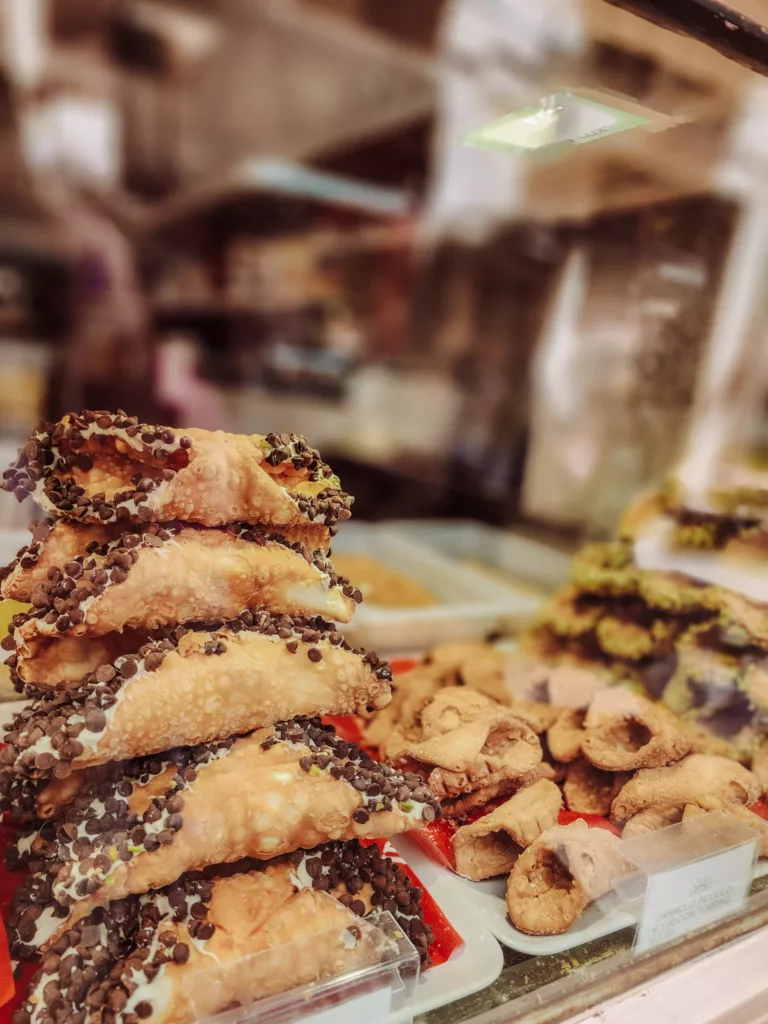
<point>447,940</point>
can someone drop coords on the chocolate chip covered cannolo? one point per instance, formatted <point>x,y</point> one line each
<point>102,467</point>
<point>151,576</point>
<point>279,789</point>
<point>193,687</point>
<point>191,949</point>
<point>559,875</point>
<point>624,731</point>
<point>491,845</point>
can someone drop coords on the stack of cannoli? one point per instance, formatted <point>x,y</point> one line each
<point>181,805</point>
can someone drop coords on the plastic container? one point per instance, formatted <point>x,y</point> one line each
<point>470,604</point>
<point>380,989</point>
<point>502,552</point>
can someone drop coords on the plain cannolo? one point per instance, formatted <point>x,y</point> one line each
<point>565,735</point>
<point>559,875</point>
<point>102,467</point>
<point>709,781</point>
<point>491,845</point>
<point>227,937</point>
<point>650,820</point>
<point>624,731</point>
<point>490,756</point>
<point>153,576</point>
<point>590,790</point>
<point>743,814</point>
<point>193,687</point>
<point>280,789</point>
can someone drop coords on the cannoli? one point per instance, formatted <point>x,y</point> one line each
<point>491,845</point>
<point>152,576</point>
<point>590,790</point>
<point>650,820</point>
<point>490,756</point>
<point>556,878</point>
<point>391,730</point>
<point>101,468</point>
<point>574,688</point>
<point>194,687</point>
<point>538,716</point>
<point>712,782</point>
<point>743,814</point>
<point>27,799</point>
<point>624,731</point>
<point>565,735</point>
<point>228,937</point>
<point>279,789</point>
<point>760,766</point>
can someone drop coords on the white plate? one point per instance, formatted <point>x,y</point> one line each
<point>601,918</point>
<point>478,963</point>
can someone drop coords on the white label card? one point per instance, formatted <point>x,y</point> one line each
<point>371,1008</point>
<point>683,899</point>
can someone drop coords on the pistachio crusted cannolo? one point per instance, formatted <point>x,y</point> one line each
<point>137,958</point>
<point>195,686</point>
<point>102,467</point>
<point>277,790</point>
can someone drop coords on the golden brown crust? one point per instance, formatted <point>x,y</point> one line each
<point>624,731</point>
<point>491,845</point>
<point>557,877</point>
<point>488,751</point>
<point>711,782</point>
<point>589,790</point>
<point>565,735</point>
<point>650,820</point>
<point>60,662</point>
<point>760,766</point>
<point>251,802</point>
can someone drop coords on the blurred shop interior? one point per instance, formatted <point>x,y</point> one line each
<point>263,215</point>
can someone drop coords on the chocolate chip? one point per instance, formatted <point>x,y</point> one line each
<point>95,720</point>
<point>198,910</point>
<point>143,1009</point>
<point>314,654</point>
<point>181,952</point>
<point>206,930</point>
<point>89,936</point>
<point>361,816</point>
<point>153,660</point>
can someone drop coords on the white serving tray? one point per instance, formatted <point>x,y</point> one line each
<point>471,605</point>
<point>520,558</point>
<point>478,963</point>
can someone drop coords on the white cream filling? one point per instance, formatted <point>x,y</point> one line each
<point>88,737</point>
<point>24,845</point>
<point>155,496</point>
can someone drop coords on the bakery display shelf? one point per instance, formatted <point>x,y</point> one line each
<point>468,604</point>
